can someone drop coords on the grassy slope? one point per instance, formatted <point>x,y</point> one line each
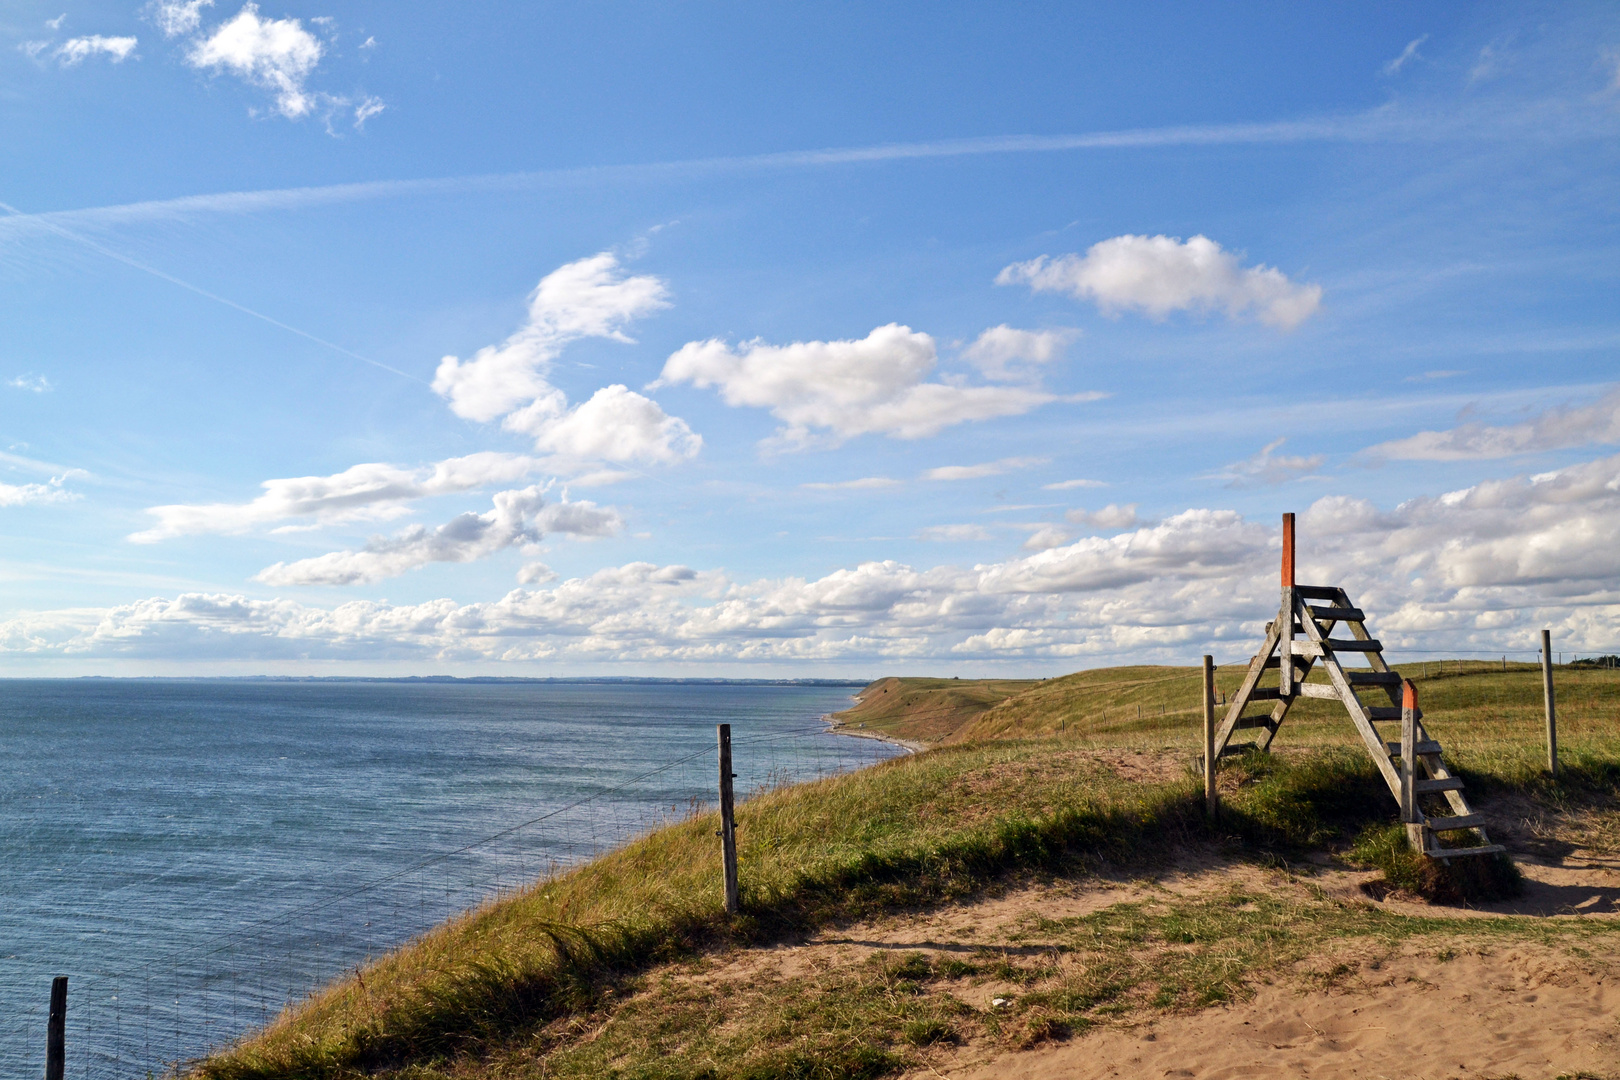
<point>509,983</point>
<point>927,710</point>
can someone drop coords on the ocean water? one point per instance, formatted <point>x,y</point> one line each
<point>194,854</point>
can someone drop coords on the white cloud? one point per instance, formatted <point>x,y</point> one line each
<point>535,573</point>
<point>1553,429</point>
<point>988,468</point>
<point>76,50</point>
<point>1070,485</point>
<point>1002,352</point>
<point>277,55</point>
<point>953,533</point>
<point>1161,274</point>
<point>1408,54</point>
<point>1480,569</point>
<point>519,518</point>
<point>1112,516</point>
<point>1046,537</point>
<point>591,297</point>
<point>588,298</point>
<point>864,483</point>
<point>39,384</point>
<point>874,385</point>
<point>1270,467</point>
<point>616,424</point>
<point>367,492</point>
<point>56,23</point>
<point>49,492</point>
<point>177,17</point>
<point>368,108</point>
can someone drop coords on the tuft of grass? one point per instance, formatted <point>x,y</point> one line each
<point>1476,879</point>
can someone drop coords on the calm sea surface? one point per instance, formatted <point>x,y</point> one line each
<point>194,854</point>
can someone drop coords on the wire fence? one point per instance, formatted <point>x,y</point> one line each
<point>153,1015</point>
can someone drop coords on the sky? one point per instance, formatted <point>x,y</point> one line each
<point>833,340</point>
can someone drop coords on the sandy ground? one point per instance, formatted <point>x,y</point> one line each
<point>1519,1009</point>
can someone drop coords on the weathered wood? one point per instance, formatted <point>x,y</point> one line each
<point>1419,748</point>
<point>1257,668</point>
<point>1234,749</point>
<point>1266,693</point>
<point>1211,797</point>
<point>1452,824</point>
<point>56,1030</point>
<point>1318,592</point>
<point>1255,720</point>
<point>1287,627</point>
<point>1547,693</point>
<point>1337,614</point>
<point>1358,712</point>
<point>1461,853</point>
<point>728,823</point>
<point>1326,691</point>
<point>1373,678</point>
<point>1409,804</point>
<point>1354,645</point>
<point>1383,712</point>
<point>1430,787</point>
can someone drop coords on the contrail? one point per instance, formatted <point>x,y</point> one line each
<point>69,234</point>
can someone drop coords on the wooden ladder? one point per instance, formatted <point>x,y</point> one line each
<point>1297,641</point>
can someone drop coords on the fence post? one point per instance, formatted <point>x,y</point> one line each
<point>728,822</point>
<point>1547,691</point>
<point>1211,798</point>
<point>1409,803</point>
<point>56,1030</point>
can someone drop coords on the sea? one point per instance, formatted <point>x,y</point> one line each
<point>196,854</point>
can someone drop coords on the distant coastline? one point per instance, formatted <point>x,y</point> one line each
<point>481,679</point>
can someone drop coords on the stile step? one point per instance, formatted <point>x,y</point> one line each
<point>1373,678</point>
<point>1386,712</point>
<point>1337,614</point>
<point>1234,749</point>
<point>1317,592</point>
<point>1353,645</point>
<point>1421,747</point>
<point>1429,787</point>
<point>1458,853</point>
<point>1262,720</point>
<point>1452,824</point>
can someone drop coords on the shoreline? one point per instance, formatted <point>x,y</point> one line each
<point>838,728</point>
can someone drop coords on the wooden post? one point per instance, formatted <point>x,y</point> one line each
<point>1410,813</point>
<point>728,822</point>
<point>56,1030</point>
<point>1547,692</point>
<point>1211,799</point>
<point>1285,616</point>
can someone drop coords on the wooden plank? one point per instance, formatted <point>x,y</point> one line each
<point>1325,691</point>
<point>1266,693</point>
<point>1430,787</point>
<point>1452,824</point>
<point>1211,796</point>
<point>1318,592</point>
<point>1353,645</point>
<point>1382,712</point>
<point>1257,668</point>
<point>1234,749</point>
<point>1262,720</point>
<point>1459,853</point>
<point>56,1030</point>
<point>1358,714</point>
<point>1547,693</point>
<point>1419,748</point>
<point>1409,805</point>
<point>1337,614</point>
<point>1373,678</point>
<point>1285,615</point>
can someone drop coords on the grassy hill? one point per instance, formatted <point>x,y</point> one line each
<point>591,973</point>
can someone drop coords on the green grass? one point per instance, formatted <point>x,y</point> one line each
<point>518,976</point>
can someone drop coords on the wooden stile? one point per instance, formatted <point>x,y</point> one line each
<point>1211,797</point>
<point>1421,772</point>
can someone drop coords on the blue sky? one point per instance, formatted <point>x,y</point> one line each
<point>833,340</point>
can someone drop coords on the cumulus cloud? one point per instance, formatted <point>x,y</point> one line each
<point>1553,429</point>
<point>1045,537</point>
<point>1112,516</point>
<point>1270,467</point>
<point>988,468</point>
<point>872,385</point>
<point>519,518</point>
<point>1161,274</point>
<point>1479,569</point>
<point>589,298</point>
<point>1002,352</point>
<point>277,55</point>
<point>176,18</point>
<point>366,492</point>
<point>75,51</point>
<point>39,384</point>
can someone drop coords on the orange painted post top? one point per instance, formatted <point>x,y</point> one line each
<point>1408,694</point>
<point>1288,551</point>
